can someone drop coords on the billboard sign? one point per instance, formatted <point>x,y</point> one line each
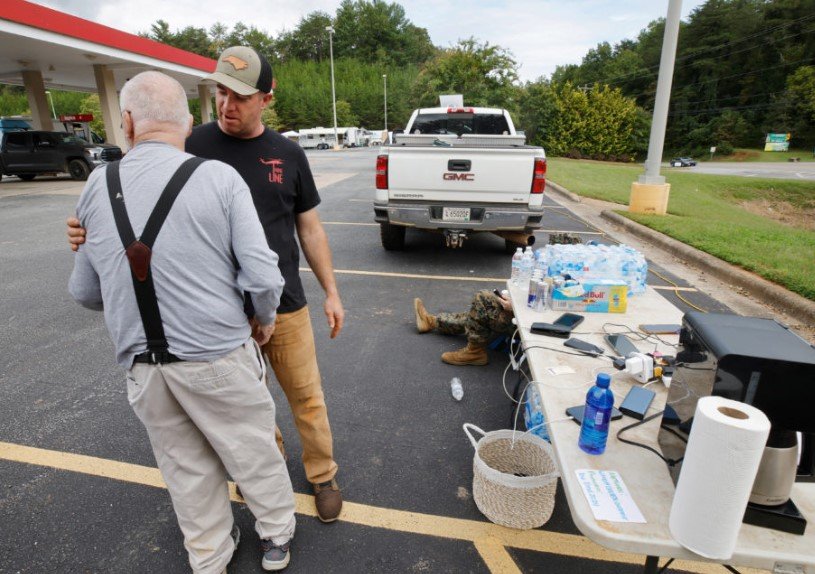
<point>777,142</point>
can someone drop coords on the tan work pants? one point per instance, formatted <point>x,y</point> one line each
<point>204,419</point>
<point>293,357</point>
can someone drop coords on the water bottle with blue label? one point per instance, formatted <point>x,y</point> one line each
<point>597,416</point>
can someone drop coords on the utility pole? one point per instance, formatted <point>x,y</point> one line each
<point>330,30</point>
<point>385,79</point>
<point>650,193</point>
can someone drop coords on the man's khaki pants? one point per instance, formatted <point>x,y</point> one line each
<point>293,357</point>
<point>205,419</point>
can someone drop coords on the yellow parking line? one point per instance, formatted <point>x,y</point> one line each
<point>495,556</point>
<point>487,537</point>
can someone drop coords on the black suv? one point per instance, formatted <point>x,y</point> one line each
<point>27,154</point>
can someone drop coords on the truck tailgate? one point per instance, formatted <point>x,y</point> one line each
<point>443,174</point>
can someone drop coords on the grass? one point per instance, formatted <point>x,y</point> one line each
<point>705,211</point>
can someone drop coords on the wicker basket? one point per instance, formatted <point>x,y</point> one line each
<point>513,484</point>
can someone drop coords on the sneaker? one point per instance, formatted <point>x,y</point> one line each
<point>275,557</point>
<point>328,500</point>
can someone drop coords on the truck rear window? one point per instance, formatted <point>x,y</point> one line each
<point>460,124</point>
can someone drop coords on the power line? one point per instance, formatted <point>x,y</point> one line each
<point>645,72</point>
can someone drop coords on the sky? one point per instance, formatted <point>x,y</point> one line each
<point>541,34</point>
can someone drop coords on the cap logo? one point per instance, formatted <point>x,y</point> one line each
<point>237,63</point>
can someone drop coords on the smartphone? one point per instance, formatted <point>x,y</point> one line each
<point>661,329</point>
<point>496,292</point>
<point>583,346</point>
<point>569,320</point>
<point>551,330</point>
<point>621,344</point>
<point>577,413</point>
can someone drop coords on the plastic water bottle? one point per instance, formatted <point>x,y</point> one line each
<point>456,388</point>
<point>527,264</point>
<point>594,430</point>
<point>533,413</point>
<point>516,266</point>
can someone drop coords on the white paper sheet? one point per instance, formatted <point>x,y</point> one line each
<point>608,496</point>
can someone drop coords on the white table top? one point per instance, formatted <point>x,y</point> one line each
<point>645,474</point>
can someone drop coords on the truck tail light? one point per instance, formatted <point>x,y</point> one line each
<point>538,175</point>
<point>381,172</point>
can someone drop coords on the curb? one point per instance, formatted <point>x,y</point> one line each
<point>759,288</point>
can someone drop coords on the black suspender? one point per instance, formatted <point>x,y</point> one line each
<point>139,251</point>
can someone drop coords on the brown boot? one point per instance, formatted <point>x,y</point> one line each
<point>472,354</point>
<point>424,321</point>
<point>328,500</point>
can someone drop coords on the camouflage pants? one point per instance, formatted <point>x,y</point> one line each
<point>485,318</point>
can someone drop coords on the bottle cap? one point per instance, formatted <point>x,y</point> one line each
<point>603,380</point>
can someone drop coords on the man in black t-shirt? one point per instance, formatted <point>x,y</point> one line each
<point>279,177</point>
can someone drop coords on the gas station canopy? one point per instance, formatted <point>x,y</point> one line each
<point>64,48</point>
<point>41,49</point>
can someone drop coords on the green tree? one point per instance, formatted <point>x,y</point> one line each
<point>90,105</point>
<point>243,35</point>
<point>598,124</point>
<point>345,116</point>
<point>308,41</point>
<point>378,31</point>
<point>538,112</point>
<point>270,119</point>
<point>485,74</point>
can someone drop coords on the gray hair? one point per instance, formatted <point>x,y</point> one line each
<point>155,97</point>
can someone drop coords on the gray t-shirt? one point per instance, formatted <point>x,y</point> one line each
<point>199,290</point>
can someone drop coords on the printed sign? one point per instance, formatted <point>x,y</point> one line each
<point>608,496</point>
<point>777,142</point>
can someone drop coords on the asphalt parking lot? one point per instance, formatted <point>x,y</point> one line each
<point>78,487</point>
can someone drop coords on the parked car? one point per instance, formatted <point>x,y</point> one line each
<point>682,162</point>
<point>27,154</point>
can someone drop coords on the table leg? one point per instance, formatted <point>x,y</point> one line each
<point>651,564</point>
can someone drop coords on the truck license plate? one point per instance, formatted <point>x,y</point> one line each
<point>455,214</point>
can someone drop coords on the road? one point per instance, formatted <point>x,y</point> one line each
<point>796,170</point>
<point>78,487</point>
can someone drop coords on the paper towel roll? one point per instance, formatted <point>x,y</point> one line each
<point>721,460</point>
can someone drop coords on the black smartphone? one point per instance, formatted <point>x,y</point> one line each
<point>577,413</point>
<point>551,330</point>
<point>497,293</point>
<point>570,320</point>
<point>583,346</point>
<point>621,345</point>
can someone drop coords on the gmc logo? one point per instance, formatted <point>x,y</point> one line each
<point>449,176</point>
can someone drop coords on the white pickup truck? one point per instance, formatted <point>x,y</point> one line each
<point>460,170</point>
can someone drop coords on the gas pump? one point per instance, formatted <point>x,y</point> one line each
<point>79,125</point>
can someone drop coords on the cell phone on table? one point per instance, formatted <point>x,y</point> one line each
<point>562,327</point>
<point>583,346</point>
<point>621,344</point>
<point>577,413</point>
<point>569,320</point>
<point>661,328</point>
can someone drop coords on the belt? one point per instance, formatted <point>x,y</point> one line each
<point>159,358</point>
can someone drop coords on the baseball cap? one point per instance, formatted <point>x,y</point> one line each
<point>243,70</point>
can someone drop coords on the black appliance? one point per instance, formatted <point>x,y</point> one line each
<point>759,362</point>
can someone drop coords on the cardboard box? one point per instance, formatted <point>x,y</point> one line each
<point>592,297</point>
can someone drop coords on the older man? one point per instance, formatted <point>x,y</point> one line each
<point>173,303</point>
<point>286,199</point>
